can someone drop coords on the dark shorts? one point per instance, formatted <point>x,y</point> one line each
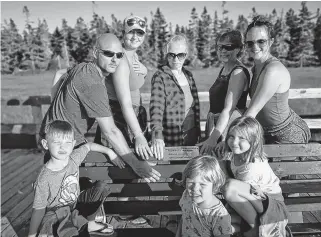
<point>273,220</point>
<point>122,125</point>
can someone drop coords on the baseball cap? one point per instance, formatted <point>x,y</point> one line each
<point>134,22</point>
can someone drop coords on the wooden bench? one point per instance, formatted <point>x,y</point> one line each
<point>161,198</point>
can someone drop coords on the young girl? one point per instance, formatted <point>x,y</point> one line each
<point>254,193</point>
<point>203,213</point>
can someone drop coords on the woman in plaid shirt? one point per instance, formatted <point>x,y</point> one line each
<point>174,105</point>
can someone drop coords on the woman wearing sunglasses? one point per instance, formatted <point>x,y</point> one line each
<point>229,92</point>
<point>269,90</point>
<point>174,105</point>
<point>123,89</point>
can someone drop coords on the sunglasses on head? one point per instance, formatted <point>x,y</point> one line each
<point>260,42</point>
<point>227,47</point>
<point>132,21</point>
<point>110,54</point>
<point>180,56</point>
<point>138,32</point>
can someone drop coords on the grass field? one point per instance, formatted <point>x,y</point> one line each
<point>21,87</point>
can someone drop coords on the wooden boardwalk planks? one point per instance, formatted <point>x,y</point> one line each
<point>19,169</point>
<point>6,228</point>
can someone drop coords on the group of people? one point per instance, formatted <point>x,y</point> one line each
<point>107,90</point>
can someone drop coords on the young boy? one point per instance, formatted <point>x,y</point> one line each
<point>59,208</point>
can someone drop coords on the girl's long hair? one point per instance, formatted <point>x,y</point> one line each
<point>250,129</point>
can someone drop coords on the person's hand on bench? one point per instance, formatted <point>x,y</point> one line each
<point>141,168</point>
<point>146,172</point>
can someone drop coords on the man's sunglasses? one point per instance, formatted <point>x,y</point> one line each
<point>110,54</point>
<point>180,56</point>
<point>260,42</point>
<point>138,32</point>
<point>227,47</point>
<point>132,21</point>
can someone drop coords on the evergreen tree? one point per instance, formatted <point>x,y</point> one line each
<point>81,41</point>
<point>215,34</point>
<point>66,32</point>
<point>253,14</point>
<point>292,22</point>
<point>11,42</point>
<point>177,29</point>
<point>158,37</point>
<point>225,23</point>
<point>28,60</point>
<point>280,47</point>
<point>242,24</point>
<point>192,35</point>
<point>301,51</point>
<point>42,40</point>
<point>204,38</point>
<point>183,30</point>
<point>57,45</point>
<point>98,26</point>
<point>116,27</point>
<point>317,38</point>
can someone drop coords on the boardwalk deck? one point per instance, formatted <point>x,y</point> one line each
<point>19,169</point>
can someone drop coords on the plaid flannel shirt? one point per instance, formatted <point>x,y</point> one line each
<point>167,106</point>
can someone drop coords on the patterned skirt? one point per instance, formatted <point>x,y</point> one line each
<point>293,130</point>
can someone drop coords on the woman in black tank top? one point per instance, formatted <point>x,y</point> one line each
<point>229,92</point>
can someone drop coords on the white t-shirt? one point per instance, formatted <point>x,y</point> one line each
<point>259,174</point>
<point>203,222</point>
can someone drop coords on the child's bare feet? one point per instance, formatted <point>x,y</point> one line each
<point>100,227</point>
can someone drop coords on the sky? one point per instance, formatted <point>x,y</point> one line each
<point>176,12</point>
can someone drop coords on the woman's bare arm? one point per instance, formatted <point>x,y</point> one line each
<point>121,84</point>
<point>238,82</point>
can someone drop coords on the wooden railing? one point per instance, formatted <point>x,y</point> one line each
<point>25,117</point>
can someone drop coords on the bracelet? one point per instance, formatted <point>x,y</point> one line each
<point>140,133</point>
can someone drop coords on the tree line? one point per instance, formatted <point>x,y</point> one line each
<point>297,39</point>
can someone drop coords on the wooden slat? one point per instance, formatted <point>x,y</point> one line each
<point>153,207</point>
<point>186,153</point>
<point>170,153</point>
<point>144,189</point>
<point>296,168</point>
<point>19,170</point>
<point>14,186</point>
<point>141,232</point>
<point>295,204</point>
<point>23,218</point>
<point>293,150</point>
<point>171,189</point>
<point>16,115</point>
<point>30,129</point>
<point>115,173</point>
<point>305,228</point>
<point>294,94</point>
<point>6,228</point>
<point>20,208</point>
<point>167,171</point>
<point>8,156</point>
<point>301,186</point>
<point>18,197</point>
